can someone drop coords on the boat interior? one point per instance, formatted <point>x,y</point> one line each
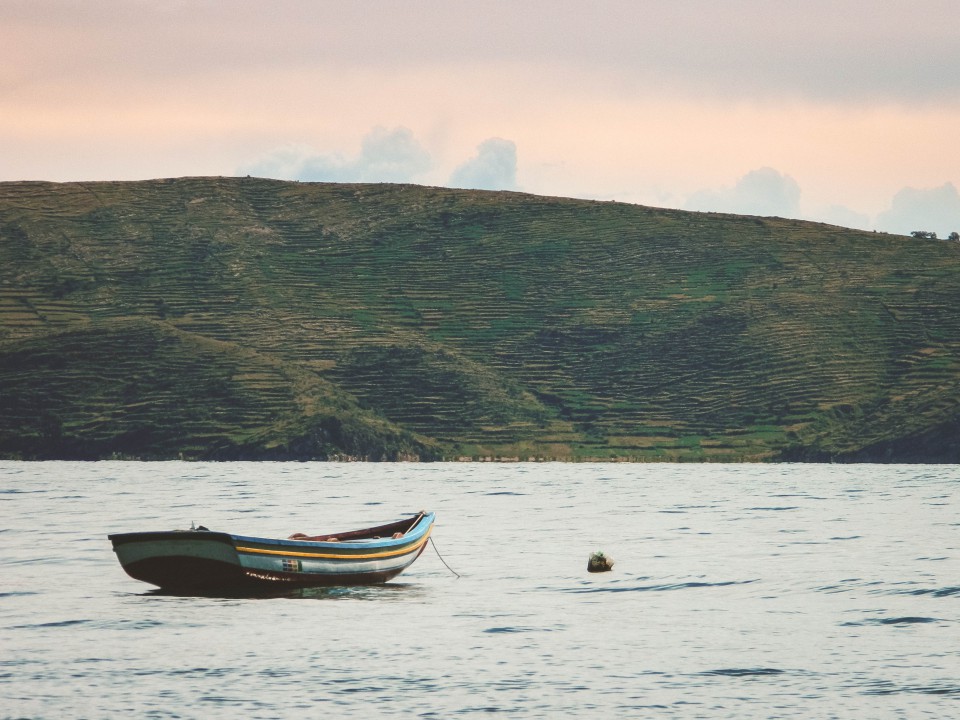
<point>392,530</point>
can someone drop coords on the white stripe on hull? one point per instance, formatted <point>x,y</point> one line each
<point>328,567</point>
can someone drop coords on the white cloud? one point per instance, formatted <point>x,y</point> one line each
<point>931,209</point>
<point>764,191</point>
<point>385,156</point>
<point>494,167</point>
<point>393,156</point>
<point>281,164</point>
<point>842,216</point>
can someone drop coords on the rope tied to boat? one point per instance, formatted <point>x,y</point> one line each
<point>442,560</point>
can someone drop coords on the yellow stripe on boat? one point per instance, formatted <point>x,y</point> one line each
<point>336,556</point>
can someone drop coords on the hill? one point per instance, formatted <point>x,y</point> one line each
<point>247,318</point>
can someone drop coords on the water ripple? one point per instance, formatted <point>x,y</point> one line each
<point>892,621</point>
<point>933,592</point>
<point>744,672</point>
<point>885,687</point>
<point>57,624</point>
<point>659,588</point>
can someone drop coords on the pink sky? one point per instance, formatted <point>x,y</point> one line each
<point>839,110</point>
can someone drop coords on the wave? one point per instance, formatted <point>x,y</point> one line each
<point>933,592</point>
<point>58,624</point>
<point>743,672</point>
<point>892,621</point>
<point>885,687</point>
<point>659,588</point>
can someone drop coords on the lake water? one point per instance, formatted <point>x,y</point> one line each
<point>739,591</point>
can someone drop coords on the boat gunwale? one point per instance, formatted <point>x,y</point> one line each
<point>174,535</point>
<point>417,533</point>
<point>412,545</point>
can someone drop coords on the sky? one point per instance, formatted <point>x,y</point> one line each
<point>841,111</point>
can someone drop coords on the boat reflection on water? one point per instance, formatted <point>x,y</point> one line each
<point>387,592</point>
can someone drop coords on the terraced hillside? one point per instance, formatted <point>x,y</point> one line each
<point>238,317</point>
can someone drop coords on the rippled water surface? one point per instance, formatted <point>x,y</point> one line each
<point>738,591</point>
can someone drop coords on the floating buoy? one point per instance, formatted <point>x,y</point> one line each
<point>599,562</point>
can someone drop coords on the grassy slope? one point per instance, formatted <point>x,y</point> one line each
<point>244,317</point>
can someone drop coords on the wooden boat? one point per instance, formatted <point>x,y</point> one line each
<point>201,560</point>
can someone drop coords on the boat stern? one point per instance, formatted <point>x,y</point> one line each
<point>175,560</point>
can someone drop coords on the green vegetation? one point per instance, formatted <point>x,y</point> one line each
<point>246,318</point>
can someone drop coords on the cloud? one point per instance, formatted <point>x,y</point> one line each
<point>392,156</point>
<point>385,156</point>
<point>494,167</point>
<point>282,164</point>
<point>931,209</point>
<point>842,216</point>
<point>764,191</point>
<point>889,52</point>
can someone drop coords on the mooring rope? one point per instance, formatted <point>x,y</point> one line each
<point>442,560</point>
